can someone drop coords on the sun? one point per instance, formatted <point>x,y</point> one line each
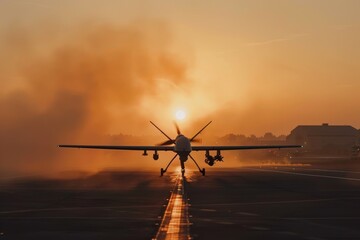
<point>180,115</point>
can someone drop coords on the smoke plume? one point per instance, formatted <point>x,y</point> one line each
<point>72,86</point>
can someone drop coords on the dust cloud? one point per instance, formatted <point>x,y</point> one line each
<point>72,85</point>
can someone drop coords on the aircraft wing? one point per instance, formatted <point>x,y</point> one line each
<point>205,148</point>
<point>116,147</point>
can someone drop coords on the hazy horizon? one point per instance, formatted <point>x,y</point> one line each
<point>76,70</point>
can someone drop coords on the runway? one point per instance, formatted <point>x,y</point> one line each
<point>175,222</point>
<point>276,203</point>
<point>267,202</point>
<point>106,205</point>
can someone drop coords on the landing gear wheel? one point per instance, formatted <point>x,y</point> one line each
<point>162,171</point>
<point>203,171</point>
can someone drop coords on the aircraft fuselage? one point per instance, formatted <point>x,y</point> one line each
<point>182,147</point>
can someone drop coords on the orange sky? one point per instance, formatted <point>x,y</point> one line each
<point>94,67</point>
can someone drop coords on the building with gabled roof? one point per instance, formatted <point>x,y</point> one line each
<point>325,138</point>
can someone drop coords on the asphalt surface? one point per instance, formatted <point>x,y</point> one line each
<point>108,205</point>
<point>268,202</point>
<point>276,203</point>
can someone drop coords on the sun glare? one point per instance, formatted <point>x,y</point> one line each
<point>180,115</point>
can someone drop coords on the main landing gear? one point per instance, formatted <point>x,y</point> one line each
<point>202,171</point>
<point>162,170</point>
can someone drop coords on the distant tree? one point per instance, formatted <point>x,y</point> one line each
<point>269,136</point>
<point>252,136</point>
<point>282,137</point>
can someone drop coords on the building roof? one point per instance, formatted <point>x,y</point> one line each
<point>325,129</point>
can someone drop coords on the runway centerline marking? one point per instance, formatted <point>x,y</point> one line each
<point>305,174</point>
<point>175,221</point>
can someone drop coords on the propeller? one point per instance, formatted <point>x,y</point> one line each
<point>177,128</point>
<point>171,141</point>
<point>167,142</point>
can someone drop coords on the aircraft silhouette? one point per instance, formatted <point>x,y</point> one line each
<point>181,145</point>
